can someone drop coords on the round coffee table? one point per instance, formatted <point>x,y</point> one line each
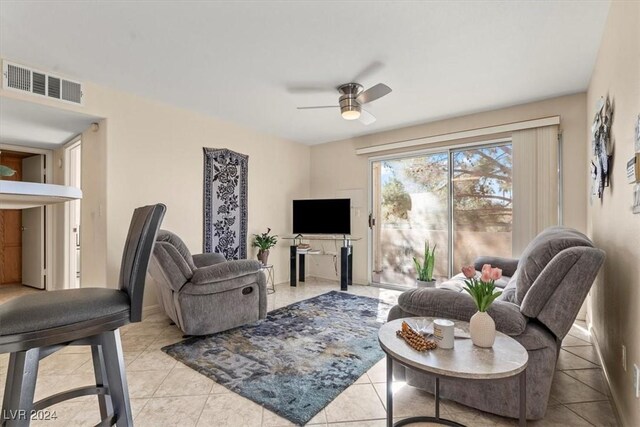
<point>507,358</point>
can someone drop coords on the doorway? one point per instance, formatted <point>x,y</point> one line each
<point>23,253</point>
<point>459,199</point>
<point>73,210</point>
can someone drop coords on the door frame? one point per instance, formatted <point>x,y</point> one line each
<point>48,212</point>
<point>448,149</point>
<point>66,149</point>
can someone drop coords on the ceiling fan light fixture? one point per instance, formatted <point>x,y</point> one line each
<point>351,113</point>
<point>349,107</point>
<point>352,96</point>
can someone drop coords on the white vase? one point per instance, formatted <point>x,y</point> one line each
<point>482,329</point>
<point>425,284</point>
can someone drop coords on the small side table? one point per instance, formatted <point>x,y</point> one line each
<point>268,269</point>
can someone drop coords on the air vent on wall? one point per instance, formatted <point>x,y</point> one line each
<point>24,79</point>
<point>39,83</point>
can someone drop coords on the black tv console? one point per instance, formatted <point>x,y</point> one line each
<point>297,260</point>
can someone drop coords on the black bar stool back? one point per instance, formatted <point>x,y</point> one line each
<point>35,326</point>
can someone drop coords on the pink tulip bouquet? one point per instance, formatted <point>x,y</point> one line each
<point>482,290</point>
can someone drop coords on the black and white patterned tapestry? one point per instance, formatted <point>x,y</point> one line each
<point>225,202</point>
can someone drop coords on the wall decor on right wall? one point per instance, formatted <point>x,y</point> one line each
<point>635,208</point>
<point>601,146</point>
<point>637,145</point>
<point>633,169</point>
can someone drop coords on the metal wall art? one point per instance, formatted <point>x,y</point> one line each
<point>635,208</point>
<point>637,143</point>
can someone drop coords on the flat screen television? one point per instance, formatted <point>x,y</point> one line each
<point>322,216</point>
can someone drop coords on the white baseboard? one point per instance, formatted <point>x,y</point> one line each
<point>614,399</point>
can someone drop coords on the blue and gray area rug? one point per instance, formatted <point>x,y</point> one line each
<point>299,358</point>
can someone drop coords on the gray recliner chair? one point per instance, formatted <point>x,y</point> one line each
<point>204,294</point>
<point>539,304</point>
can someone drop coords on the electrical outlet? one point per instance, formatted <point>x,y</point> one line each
<point>624,357</point>
<point>636,380</point>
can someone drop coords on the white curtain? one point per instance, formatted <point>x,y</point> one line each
<point>535,184</point>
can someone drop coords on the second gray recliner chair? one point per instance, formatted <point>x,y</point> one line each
<point>204,294</point>
<point>537,308</point>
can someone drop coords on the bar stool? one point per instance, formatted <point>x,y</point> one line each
<point>35,326</point>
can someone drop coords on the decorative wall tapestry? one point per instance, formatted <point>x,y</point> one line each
<point>601,146</point>
<point>225,202</point>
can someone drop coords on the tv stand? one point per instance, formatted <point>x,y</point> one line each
<point>297,259</point>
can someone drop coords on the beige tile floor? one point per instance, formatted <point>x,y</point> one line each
<point>166,393</point>
<point>11,291</point>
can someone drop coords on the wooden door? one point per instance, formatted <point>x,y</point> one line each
<point>11,228</point>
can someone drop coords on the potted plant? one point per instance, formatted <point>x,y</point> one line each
<point>264,242</point>
<point>482,328</point>
<point>425,270</point>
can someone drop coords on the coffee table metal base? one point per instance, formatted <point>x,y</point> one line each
<point>433,420</point>
<point>437,419</point>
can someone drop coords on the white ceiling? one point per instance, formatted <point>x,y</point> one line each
<point>33,125</point>
<point>247,61</point>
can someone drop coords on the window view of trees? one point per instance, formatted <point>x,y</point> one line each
<point>482,189</point>
<point>396,202</point>
<point>414,208</point>
<point>482,203</point>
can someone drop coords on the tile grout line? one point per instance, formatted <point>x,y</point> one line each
<point>155,390</point>
<point>577,414</point>
<point>143,406</point>
<point>598,367</point>
<point>355,421</point>
<point>588,385</point>
<point>202,410</point>
<point>575,336</point>
<point>577,355</point>
<point>375,390</point>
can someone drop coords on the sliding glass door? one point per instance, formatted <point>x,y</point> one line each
<point>458,200</point>
<point>411,208</point>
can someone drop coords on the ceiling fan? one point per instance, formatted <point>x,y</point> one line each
<point>352,97</point>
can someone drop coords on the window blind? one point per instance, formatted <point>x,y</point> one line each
<point>535,184</point>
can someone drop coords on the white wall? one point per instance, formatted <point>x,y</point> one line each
<point>154,154</point>
<point>615,297</point>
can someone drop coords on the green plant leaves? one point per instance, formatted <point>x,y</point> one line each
<point>264,241</point>
<point>425,270</point>
<point>482,293</point>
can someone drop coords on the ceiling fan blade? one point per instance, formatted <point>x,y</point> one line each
<point>373,93</point>
<point>369,70</point>
<point>310,89</point>
<point>366,117</point>
<point>319,106</point>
